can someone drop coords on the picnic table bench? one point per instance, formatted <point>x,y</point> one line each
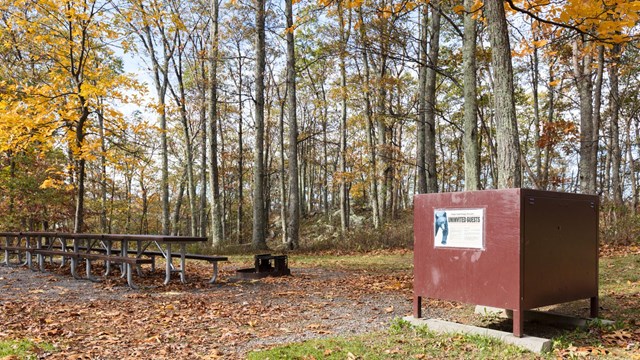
<point>84,248</point>
<point>212,259</point>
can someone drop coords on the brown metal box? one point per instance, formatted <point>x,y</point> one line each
<point>515,249</point>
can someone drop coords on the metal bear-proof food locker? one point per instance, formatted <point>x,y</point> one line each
<point>515,249</point>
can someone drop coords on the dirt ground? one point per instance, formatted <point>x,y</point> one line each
<point>108,320</point>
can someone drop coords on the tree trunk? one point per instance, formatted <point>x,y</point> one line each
<point>535,76</point>
<point>283,173</point>
<point>259,221</point>
<point>175,223</point>
<point>160,80</point>
<point>582,73</point>
<point>239,221</point>
<point>597,104</point>
<point>180,99</point>
<point>470,139</point>
<point>375,214</point>
<point>103,174</point>
<point>223,179</point>
<point>547,149</point>
<point>144,216</point>
<point>80,167</point>
<point>421,161</point>
<point>508,144</point>
<point>216,216</point>
<point>632,167</point>
<point>430,95</point>
<point>202,210</point>
<point>325,154</point>
<point>344,186</point>
<point>614,104</point>
<point>293,226</point>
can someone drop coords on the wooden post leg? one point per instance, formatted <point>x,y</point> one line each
<point>417,306</point>
<point>518,322</point>
<point>595,307</point>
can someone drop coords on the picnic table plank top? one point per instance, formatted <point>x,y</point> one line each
<point>117,237</point>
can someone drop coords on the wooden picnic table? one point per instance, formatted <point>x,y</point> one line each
<point>90,247</point>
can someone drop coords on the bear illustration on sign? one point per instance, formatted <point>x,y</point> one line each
<point>441,222</point>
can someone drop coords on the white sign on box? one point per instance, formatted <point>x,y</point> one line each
<point>459,228</point>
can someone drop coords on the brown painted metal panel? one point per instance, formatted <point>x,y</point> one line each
<point>560,247</point>
<point>489,276</point>
<point>540,248</point>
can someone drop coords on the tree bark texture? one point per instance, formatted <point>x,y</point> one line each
<point>614,105</point>
<point>470,137</point>
<point>371,139</point>
<point>582,74</point>
<point>421,162</point>
<point>293,225</point>
<point>430,101</point>
<point>508,144</point>
<point>259,218</point>
<point>344,186</point>
<point>216,216</point>
<point>597,105</point>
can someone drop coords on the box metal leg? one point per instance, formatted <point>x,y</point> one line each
<point>518,322</point>
<point>594,307</point>
<point>417,306</point>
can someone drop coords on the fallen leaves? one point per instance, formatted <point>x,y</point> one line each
<point>108,320</point>
<point>618,337</point>
<point>581,351</point>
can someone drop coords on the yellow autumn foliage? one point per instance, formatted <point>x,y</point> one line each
<point>59,77</point>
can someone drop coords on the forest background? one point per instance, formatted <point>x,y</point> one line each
<point>309,123</point>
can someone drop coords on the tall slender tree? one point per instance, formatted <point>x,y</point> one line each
<point>259,216</point>
<point>345,33</point>
<point>470,137</point>
<point>508,144</point>
<point>421,147</point>
<point>293,226</point>
<point>430,99</point>
<point>214,184</point>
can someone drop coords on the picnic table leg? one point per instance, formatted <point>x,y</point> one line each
<point>215,272</point>
<point>88,271</point>
<point>38,245</point>
<point>41,262</point>
<point>130,277</point>
<point>182,264</point>
<point>74,263</point>
<point>168,268</point>
<point>124,252</point>
<point>42,258</point>
<point>19,255</point>
<point>27,253</point>
<point>107,263</point>
<point>6,252</point>
<point>63,262</point>
<point>138,254</point>
<point>29,258</point>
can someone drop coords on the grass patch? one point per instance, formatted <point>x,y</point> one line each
<point>619,287</point>
<point>397,261</point>
<point>23,349</point>
<point>384,260</point>
<point>400,341</point>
